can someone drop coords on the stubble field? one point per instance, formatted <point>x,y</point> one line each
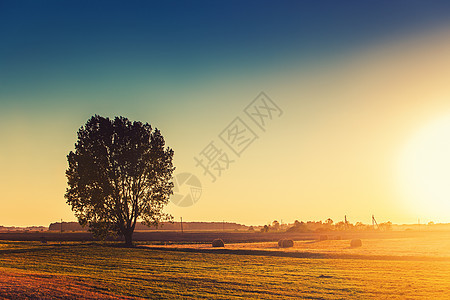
<point>95,270</point>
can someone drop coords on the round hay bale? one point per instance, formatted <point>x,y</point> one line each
<point>218,243</point>
<point>287,243</point>
<point>323,237</point>
<point>355,243</point>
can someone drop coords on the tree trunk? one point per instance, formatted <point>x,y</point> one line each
<point>128,238</point>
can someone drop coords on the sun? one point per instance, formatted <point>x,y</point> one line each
<point>425,171</point>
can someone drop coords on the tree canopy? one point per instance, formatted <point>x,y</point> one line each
<point>119,173</point>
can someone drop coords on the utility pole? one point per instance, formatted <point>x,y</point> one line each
<point>345,222</point>
<point>181,224</point>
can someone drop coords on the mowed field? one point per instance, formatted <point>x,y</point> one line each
<point>432,246</point>
<point>96,270</point>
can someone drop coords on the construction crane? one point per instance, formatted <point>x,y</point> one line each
<point>374,222</point>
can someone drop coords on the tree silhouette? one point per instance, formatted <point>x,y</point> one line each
<point>119,173</point>
<point>386,226</point>
<point>275,225</point>
<point>265,228</point>
<point>329,222</point>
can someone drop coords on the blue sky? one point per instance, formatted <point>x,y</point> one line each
<point>58,45</point>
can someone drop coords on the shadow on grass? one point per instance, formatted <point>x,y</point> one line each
<point>17,248</point>
<point>298,254</point>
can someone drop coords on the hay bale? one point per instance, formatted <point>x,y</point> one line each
<point>323,237</point>
<point>285,243</point>
<point>355,243</point>
<point>218,243</point>
<point>288,243</point>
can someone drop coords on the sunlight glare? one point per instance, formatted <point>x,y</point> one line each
<point>425,170</point>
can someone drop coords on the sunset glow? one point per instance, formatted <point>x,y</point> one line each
<point>238,149</point>
<point>425,170</point>
<point>354,136</point>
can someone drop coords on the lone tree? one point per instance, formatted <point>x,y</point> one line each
<point>119,173</point>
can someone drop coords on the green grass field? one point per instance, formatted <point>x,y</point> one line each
<point>31,269</point>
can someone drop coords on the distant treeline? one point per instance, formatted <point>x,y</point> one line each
<point>176,226</point>
<point>329,225</point>
<point>30,228</point>
<point>297,226</point>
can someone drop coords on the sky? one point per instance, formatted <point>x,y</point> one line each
<point>362,87</point>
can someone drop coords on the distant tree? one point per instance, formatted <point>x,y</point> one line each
<point>328,222</point>
<point>275,225</point>
<point>298,227</point>
<point>361,226</point>
<point>265,228</point>
<point>386,226</point>
<point>119,173</point>
<point>340,225</point>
